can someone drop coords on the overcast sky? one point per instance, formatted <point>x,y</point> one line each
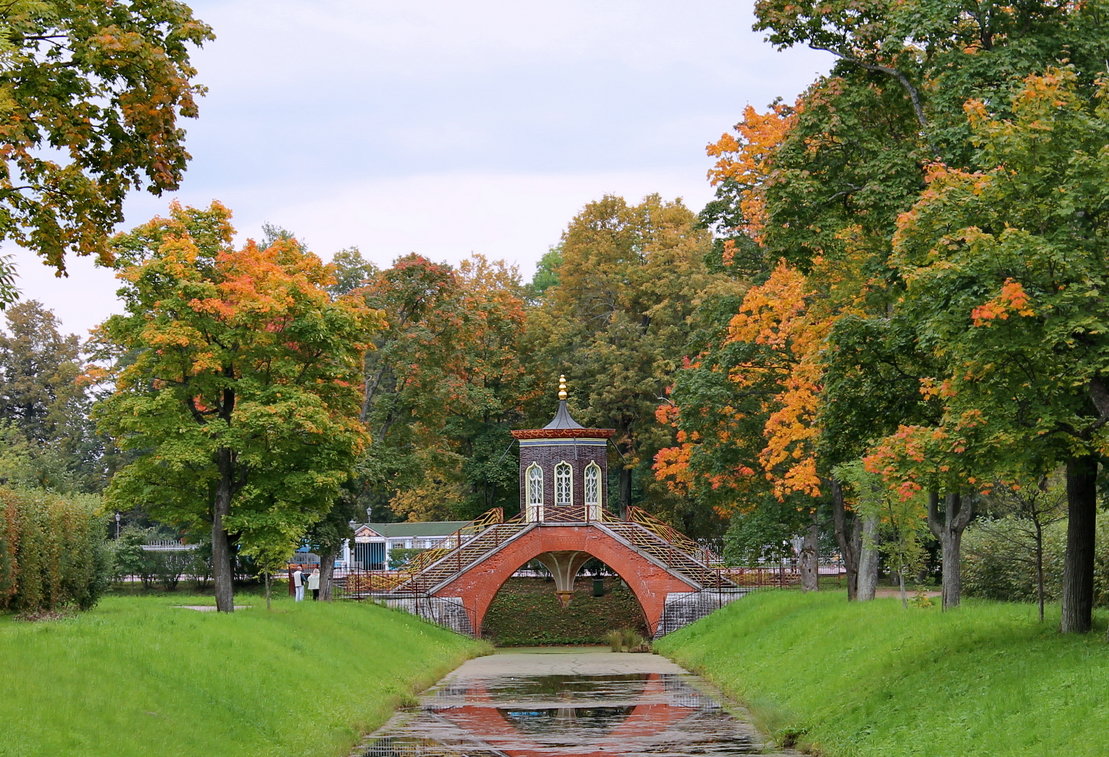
<point>447,128</point>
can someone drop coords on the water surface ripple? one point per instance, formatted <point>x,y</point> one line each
<point>567,705</point>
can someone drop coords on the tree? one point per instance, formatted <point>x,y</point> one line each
<point>442,387</point>
<point>1006,269</point>
<point>618,320</point>
<point>236,381</point>
<point>1026,512</point>
<point>90,97</point>
<point>44,398</point>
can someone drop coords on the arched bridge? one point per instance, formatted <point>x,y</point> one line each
<point>675,580</point>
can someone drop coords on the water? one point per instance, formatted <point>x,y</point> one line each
<point>567,705</point>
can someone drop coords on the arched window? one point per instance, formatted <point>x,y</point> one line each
<point>593,491</point>
<point>534,480</point>
<point>564,479</point>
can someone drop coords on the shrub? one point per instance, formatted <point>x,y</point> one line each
<point>626,640</point>
<point>53,552</point>
<point>999,560</point>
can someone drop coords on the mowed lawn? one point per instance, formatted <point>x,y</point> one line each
<point>875,679</point>
<point>138,676</point>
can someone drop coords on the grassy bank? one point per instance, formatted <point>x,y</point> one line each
<point>874,679</point>
<point>137,676</point>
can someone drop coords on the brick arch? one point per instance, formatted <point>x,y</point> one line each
<point>650,583</point>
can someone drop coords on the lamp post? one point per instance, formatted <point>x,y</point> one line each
<point>117,526</point>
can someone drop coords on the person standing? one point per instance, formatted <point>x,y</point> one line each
<point>314,583</point>
<point>298,584</point>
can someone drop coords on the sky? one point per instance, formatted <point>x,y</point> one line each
<point>449,128</point>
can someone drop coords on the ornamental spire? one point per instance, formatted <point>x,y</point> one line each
<point>562,393</point>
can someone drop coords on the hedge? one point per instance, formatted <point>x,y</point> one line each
<point>53,552</point>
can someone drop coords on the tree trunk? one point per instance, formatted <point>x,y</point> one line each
<point>948,528</point>
<point>1040,592</point>
<point>268,607</point>
<point>848,537</point>
<point>328,555</point>
<point>810,558</point>
<point>222,577</point>
<point>868,560</point>
<point>1078,566</point>
<point>625,490</point>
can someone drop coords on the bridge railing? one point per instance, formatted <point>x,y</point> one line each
<point>577,514</point>
<point>673,536</point>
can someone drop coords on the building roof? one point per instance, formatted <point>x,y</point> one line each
<point>425,529</point>
<point>563,419</point>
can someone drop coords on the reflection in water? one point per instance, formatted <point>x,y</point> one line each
<point>568,716</point>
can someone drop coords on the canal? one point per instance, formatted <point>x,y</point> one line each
<point>567,703</point>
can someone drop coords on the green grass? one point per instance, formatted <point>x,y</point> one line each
<point>137,676</point>
<point>874,679</point>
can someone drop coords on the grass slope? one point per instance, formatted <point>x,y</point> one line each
<point>875,679</point>
<point>138,676</point>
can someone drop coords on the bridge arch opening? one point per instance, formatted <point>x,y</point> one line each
<point>578,602</point>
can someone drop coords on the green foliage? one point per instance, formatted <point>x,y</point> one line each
<point>401,556</point>
<point>626,640</point>
<point>161,568</point>
<point>443,384</point>
<point>44,406</point>
<point>139,671</point>
<point>904,526</point>
<point>90,97</point>
<point>53,552</point>
<point>617,323</point>
<point>763,533</point>
<point>236,384</point>
<point>999,560</point>
<point>873,680</point>
<point>526,612</point>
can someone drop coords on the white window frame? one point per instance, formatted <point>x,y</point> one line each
<point>593,491</point>
<point>564,474</point>
<point>533,486</point>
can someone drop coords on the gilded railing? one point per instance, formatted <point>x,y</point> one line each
<point>671,535</point>
<point>387,580</point>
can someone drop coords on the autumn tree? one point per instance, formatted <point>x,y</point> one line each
<point>617,322</point>
<point>441,388</point>
<point>236,381</point>
<point>1005,269</point>
<point>90,100</point>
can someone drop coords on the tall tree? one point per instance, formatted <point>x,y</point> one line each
<point>43,397</point>
<point>236,380</point>
<point>442,387</point>
<point>1006,269</point>
<point>617,322</point>
<point>90,100</point>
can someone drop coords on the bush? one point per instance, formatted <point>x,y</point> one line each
<point>53,552</point>
<point>999,560</point>
<point>164,568</point>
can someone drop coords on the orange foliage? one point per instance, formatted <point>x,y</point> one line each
<point>775,314</point>
<point>745,157</point>
<point>1012,299</point>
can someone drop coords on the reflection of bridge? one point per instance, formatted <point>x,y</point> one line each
<point>542,716</point>
<point>563,522</point>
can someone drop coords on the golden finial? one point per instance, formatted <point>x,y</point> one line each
<point>562,395</point>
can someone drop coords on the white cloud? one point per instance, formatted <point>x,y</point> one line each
<point>445,127</point>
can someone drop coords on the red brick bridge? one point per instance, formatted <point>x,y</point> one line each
<point>563,522</point>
